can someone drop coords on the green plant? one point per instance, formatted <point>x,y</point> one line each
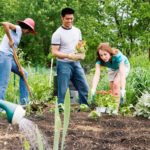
<point>26,145</point>
<point>57,128</point>
<point>137,82</point>
<point>127,110</point>
<point>105,100</point>
<point>84,107</point>
<point>142,108</point>
<point>94,115</point>
<point>58,123</point>
<point>39,139</point>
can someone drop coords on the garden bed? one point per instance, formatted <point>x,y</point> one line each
<point>106,133</point>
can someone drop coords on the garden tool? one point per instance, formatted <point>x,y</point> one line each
<point>14,112</point>
<point>21,71</point>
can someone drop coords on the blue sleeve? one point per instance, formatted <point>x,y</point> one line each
<point>119,57</point>
<point>98,62</point>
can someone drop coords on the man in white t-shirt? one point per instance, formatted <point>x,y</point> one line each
<point>64,41</point>
<point>7,63</point>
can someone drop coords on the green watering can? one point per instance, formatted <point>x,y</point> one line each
<point>14,112</point>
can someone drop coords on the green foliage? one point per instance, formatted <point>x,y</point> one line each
<point>57,128</point>
<point>39,84</point>
<point>142,108</point>
<point>94,115</point>
<point>140,60</point>
<point>84,108</point>
<point>126,110</point>
<point>106,100</point>
<point>58,123</point>
<point>137,82</point>
<point>66,118</point>
<point>117,22</point>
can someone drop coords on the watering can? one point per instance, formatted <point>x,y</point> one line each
<point>14,112</point>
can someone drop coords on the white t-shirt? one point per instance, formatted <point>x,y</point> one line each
<point>67,39</point>
<point>16,36</point>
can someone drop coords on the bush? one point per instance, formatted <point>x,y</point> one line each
<point>137,82</point>
<point>142,108</point>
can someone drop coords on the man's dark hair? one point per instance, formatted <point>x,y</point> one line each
<point>66,11</point>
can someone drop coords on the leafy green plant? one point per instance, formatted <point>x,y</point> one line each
<point>127,110</point>
<point>105,100</point>
<point>84,108</point>
<point>94,115</point>
<point>137,82</point>
<point>142,108</point>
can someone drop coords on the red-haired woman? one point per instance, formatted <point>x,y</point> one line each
<point>118,69</point>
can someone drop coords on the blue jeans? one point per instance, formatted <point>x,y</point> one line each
<point>7,64</point>
<point>73,71</point>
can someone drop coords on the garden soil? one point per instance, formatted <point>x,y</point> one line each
<point>106,133</point>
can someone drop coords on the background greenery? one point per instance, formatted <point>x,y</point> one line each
<point>123,23</point>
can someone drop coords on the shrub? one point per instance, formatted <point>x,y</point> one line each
<point>142,108</point>
<point>137,82</point>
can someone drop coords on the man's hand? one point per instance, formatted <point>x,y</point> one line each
<point>76,57</point>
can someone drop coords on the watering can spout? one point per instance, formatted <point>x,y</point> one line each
<point>14,112</point>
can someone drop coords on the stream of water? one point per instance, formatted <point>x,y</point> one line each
<point>33,135</point>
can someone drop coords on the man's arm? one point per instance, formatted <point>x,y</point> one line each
<point>7,26</point>
<point>57,53</point>
<point>72,56</point>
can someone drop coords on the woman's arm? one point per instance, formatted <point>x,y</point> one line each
<point>9,26</point>
<point>122,75</point>
<point>96,78</point>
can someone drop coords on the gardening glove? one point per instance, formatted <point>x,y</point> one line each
<point>92,94</point>
<point>122,96</point>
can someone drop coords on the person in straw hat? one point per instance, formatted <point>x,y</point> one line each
<point>12,37</point>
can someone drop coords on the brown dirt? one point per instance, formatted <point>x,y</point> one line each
<point>106,133</point>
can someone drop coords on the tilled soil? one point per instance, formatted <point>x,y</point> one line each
<point>106,133</point>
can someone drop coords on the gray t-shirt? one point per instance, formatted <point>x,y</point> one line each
<point>67,39</point>
<point>16,36</point>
